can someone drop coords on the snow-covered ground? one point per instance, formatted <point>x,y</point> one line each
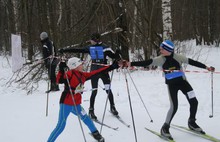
<point>23,116</point>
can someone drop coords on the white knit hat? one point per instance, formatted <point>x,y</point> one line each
<point>74,62</point>
<point>43,35</point>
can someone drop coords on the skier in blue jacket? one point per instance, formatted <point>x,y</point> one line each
<point>99,53</point>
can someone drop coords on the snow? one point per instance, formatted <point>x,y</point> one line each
<point>23,116</point>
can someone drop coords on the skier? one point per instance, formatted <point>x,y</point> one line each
<point>99,53</point>
<point>175,79</point>
<point>49,53</point>
<point>71,98</point>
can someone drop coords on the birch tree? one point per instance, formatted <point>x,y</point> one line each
<point>166,18</point>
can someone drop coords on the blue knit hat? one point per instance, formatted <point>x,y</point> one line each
<point>167,45</point>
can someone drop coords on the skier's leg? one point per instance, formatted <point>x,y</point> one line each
<point>106,81</point>
<point>54,85</point>
<point>84,117</point>
<point>191,97</point>
<point>172,92</point>
<point>94,82</point>
<point>88,122</point>
<point>63,114</point>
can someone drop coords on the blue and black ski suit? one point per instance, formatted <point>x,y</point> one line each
<point>175,80</point>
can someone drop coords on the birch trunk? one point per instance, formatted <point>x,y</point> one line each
<point>166,18</point>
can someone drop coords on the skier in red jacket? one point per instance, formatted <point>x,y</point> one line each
<point>70,101</point>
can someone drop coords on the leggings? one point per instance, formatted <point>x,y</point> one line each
<point>106,81</point>
<point>64,113</point>
<point>187,90</point>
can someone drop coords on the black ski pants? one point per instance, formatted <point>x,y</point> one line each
<point>106,81</point>
<point>187,90</point>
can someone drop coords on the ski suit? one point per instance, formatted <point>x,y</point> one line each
<point>175,80</point>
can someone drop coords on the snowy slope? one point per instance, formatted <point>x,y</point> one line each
<point>23,116</point>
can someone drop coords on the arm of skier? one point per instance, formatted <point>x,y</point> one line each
<point>61,73</point>
<point>74,50</point>
<point>157,61</point>
<point>106,68</point>
<point>200,65</point>
<point>142,63</point>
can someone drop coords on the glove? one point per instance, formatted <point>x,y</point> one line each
<point>114,65</point>
<point>124,64</point>
<point>61,51</point>
<point>62,66</point>
<point>212,69</point>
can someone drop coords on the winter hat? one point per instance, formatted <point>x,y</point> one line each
<point>43,35</point>
<point>95,37</point>
<point>167,45</point>
<point>74,62</point>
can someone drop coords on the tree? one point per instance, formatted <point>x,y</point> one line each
<point>167,20</point>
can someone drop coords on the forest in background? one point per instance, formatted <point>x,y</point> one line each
<point>70,22</point>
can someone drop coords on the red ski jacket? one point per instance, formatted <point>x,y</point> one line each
<point>75,78</point>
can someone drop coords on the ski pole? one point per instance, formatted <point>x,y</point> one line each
<point>103,116</point>
<point>48,85</point>
<point>132,115</point>
<point>71,92</point>
<point>47,100</point>
<point>151,120</point>
<point>210,116</point>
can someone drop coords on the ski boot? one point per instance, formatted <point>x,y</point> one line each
<point>194,127</point>
<point>96,135</point>
<point>92,114</point>
<point>165,131</point>
<point>113,110</point>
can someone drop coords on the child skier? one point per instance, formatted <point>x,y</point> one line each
<point>71,97</point>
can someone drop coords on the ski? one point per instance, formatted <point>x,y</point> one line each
<point>121,120</point>
<point>205,136</point>
<point>159,135</point>
<point>100,123</point>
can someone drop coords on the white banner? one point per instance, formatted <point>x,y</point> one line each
<point>17,60</point>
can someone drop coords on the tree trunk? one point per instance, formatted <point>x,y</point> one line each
<point>167,20</point>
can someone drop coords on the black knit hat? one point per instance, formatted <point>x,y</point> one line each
<point>95,37</point>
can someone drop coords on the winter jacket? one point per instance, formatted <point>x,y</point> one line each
<point>48,50</point>
<point>75,79</point>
